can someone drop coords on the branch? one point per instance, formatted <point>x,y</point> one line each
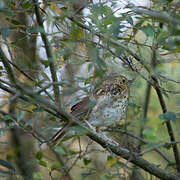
<point>155,83</point>
<point>164,109</point>
<point>131,134</point>
<point>63,164</point>
<point>169,127</point>
<point>21,124</point>
<point>100,139</point>
<point>9,70</point>
<point>163,16</point>
<point>48,52</point>
<point>167,144</point>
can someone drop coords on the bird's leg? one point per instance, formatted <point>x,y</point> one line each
<point>89,125</point>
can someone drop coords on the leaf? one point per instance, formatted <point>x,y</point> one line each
<point>79,130</point>
<point>42,163</point>
<point>172,164</point>
<point>147,30</point>
<point>25,5</point>
<point>20,115</point>
<point>7,117</point>
<point>60,150</point>
<point>36,29</point>
<point>55,166</point>
<point>90,67</point>
<point>149,134</point>
<point>168,116</point>
<point>30,108</point>
<point>38,109</point>
<point>152,145</point>
<point>86,161</point>
<point>4,32</point>
<point>162,37</point>
<point>111,161</point>
<point>45,63</point>
<point>39,155</point>
<point>44,75</point>
<point>130,20</point>
<point>15,22</point>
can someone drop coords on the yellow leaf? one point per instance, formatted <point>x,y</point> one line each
<point>110,162</point>
<point>52,119</point>
<point>30,108</point>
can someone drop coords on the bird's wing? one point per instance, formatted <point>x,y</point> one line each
<point>82,108</point>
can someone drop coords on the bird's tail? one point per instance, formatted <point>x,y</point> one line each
<point>57,138</point>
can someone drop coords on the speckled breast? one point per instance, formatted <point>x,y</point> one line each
<point>108,110</point>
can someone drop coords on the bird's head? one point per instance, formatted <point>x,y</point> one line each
<point>113,86</point>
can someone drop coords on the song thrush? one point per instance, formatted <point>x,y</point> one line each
<point>105,106</point>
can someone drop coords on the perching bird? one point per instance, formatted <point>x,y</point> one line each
<point>106,105</point>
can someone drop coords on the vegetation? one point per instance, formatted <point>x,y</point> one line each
<point>53,53</point>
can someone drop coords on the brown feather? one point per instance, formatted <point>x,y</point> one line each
<point>82,108</point>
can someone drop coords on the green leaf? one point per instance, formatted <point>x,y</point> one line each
<point>37,176</point>
<point>150,134</point>
<point>130,20</point>
<point>39,155</point>
<point>7,117</point>
<point>36,29</point>
<point>20,115</point>
<point>168,116</point>
<point>90,67</point>
<point>60,150</point>
<point>152,145</point>
<point>38,109</point>
<point>147,30</point>
<point>42,163</point>
<point>45,63</point>
<point>25,5</point>
<point>4,32</point>
<point>172,163</point>
<point>55,166</point>
<point>86,161</point>
<point>44,75</point>
<point>15,22</point>
<point>162,37</point>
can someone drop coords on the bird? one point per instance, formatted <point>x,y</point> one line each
<point>106,105</point>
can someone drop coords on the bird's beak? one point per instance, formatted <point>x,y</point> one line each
<point>130,81</point>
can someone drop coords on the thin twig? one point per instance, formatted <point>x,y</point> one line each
<point>97,137</point>
<point>101,139</point>
<point>154,82</point>
<point>136,137</point>
<point>21,124</point>
<point>61,161</point>
<point>12,98</point>
<point>9,70</point>
<point>169,79</point>
<point>159,15</point>
<point>158,146</point>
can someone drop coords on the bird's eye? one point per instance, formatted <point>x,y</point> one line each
<point>123,80</point>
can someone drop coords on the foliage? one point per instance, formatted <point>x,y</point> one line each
<point>54,53</point>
